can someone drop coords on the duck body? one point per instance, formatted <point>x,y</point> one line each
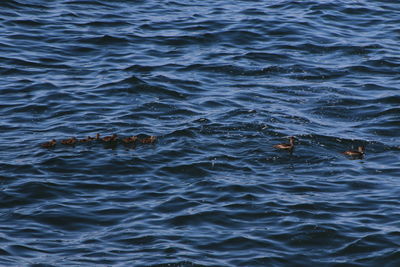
<point>130,140</point>
<point>49,144</point>
<point>89,138</point>
<point>111,138</point>
<point>70,141</point>
<point>148,140</point>
<point>356,153</point>
<point>289,146</point>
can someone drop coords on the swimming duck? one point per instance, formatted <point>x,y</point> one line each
<point>129,140</point>
<point>70,141</point>
<point>88,139</point>
<point>148,140</point>
<point>356,153</point>
<point>111,138</point>
<point>289,146</point>
<point>49,144</point>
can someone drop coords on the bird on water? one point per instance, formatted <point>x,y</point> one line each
<point>70,141</point>
<point>110,138</point>
<point>89,138</point>
<point>49,144</point>
<point>129,140</point>
<point>356,153</point>
<point>148,140</point>
<point>286,146</point>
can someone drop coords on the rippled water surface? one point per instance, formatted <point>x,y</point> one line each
<point>219,83</point>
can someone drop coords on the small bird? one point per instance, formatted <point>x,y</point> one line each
<point>289,146</point>
<point>70,141</point>
<point>356,153</point>
<point>148,140</point>
<point>89,138</point>
<point>49,144</point>
<point>111,138</point>
<point>131,139</point>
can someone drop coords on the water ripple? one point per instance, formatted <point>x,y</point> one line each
<point>219,85</point>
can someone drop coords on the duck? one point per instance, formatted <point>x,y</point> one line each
<point>148,140</point>
<point>359,153</point>
<point>70,141</point>
<point>49,144</point>
<point>89,138</point>
<point>289,146</point>
<point>131,139</point>
<point>110,138</point>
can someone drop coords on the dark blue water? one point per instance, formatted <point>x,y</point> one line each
<point>219,83</point>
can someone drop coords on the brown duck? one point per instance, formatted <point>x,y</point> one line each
<point>129,140</point>
<point>49,144</point>
<point>110,138</point>
<point>70,141</point>
<point>89,138</point>
<point>289,146</point>
<point>148,140</point>
<point>356,153</point>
